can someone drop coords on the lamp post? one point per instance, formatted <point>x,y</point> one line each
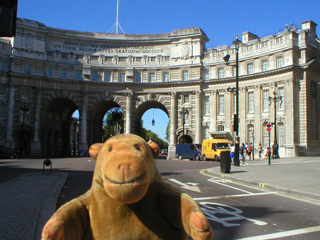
<point>236,45</point>
<point>183,112</point>
<point>24,109</point>
<point>275,147</point>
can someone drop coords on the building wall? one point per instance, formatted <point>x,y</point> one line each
<point>56,72</point>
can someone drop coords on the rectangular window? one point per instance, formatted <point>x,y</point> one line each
<point>63,73</point>
<point>2,90</point>
<point>281,135</point>
<point>266,100</point>
<point>25,94</point>
<point>250,68</point>
<point>49,71</point>
<point>221,104</point>
<point>265,136</point>
<point>28,68</point>
<point>206,74</point>
<point>2,133</point>
<point>251,101</point>
<point>94,76</point>
<point>4,66</point>
<point>221,72</point>
<point>137,59</point>
<point>152,77</point>
<point>108,59</point>
<point>265,65</point>
<point>279,62</point>
<point>122,59</point>
<point>122,77</point>
<point>234,103</point>
<point>185,75</point>
<point>207,105</point>
<point>186,98</point>
<point>250,132</point>
<point>281,95</point>
<point>206,133</point>
<point>3,111</point>
<point>78,75</point>
<point>234,71</point>
<point>165,76</point>
<point>137,77</point>
<point>64,56</point>
<point>107,76</point>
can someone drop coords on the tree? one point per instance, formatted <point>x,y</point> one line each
<point>114,122</point>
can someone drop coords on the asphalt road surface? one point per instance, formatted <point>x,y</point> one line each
<point>235,210</point>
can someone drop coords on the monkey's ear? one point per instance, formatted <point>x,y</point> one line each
<point>154,148</point>
<point>94,150</point>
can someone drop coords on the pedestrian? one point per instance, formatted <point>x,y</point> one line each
<point>232,152</point>
<point>268,152</point>
<point>249,151</point>
<point>242,152</point>
<point>260,151</point>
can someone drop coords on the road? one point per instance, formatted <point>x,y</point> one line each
<point>235,211</point>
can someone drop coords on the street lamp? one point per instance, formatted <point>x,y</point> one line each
<point>275,147</point>
<point>236,45</point>
<point>24,109</point>
<point>183,112</point>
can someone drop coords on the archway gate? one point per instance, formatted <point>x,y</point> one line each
<point>93,105</point>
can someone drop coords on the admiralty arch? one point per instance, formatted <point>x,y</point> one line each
<point>46,74</point>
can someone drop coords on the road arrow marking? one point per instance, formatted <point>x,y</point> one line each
<point>189,186</point>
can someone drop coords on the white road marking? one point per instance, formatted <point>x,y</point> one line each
<point>284,234</point>
<point>189,185</point>
<point>234,196</point>
<point>226,215</point>
<point>218,182</point>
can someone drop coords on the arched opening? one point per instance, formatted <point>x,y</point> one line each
<point>75,133</point>
<point>97,120</point>
<point>152,117</point>
<point>113,122</point>
<point>56,128</point>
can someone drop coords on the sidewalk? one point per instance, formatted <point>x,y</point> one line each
<point>299,176</point>
<point>26,204</point>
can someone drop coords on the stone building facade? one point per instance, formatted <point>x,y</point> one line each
<point>47,74</point>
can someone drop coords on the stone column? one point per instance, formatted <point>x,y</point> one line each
<point>198,118</point>
<point>36,144</point>
<point>128,113</point>
<point>173,113</point>
<point>83,146</point>
<point>9,137</point>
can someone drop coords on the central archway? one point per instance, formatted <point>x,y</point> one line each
<point>142,109</point>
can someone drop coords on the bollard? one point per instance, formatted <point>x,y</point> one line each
<point>225,162</point>
<point>47,163</point>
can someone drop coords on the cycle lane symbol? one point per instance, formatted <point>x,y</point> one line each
<point>226,215</point>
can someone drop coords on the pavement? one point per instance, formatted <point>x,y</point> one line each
<point>299,176</point>
<point>28,201</point>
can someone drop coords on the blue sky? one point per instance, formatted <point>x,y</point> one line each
<point>221,20</point>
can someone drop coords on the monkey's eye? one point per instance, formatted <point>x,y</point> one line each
<point>137,147</point>
<point>110,149</point>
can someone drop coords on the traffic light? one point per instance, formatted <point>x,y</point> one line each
<point>269,127</point>
<point>8,18</point>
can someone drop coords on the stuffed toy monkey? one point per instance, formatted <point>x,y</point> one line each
<point>128,200</point>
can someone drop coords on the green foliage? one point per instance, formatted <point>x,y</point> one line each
<point>114,122</point>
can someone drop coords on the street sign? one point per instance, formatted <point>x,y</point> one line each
<point>269,127</point>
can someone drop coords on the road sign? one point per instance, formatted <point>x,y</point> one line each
<point>269,127</point>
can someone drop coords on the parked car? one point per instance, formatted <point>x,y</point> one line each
<point>7,152</point>
<point>188,150</point>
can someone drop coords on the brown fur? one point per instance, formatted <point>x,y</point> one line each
<point>128,200</point>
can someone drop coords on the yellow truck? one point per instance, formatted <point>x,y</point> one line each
<point>212,148</point>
